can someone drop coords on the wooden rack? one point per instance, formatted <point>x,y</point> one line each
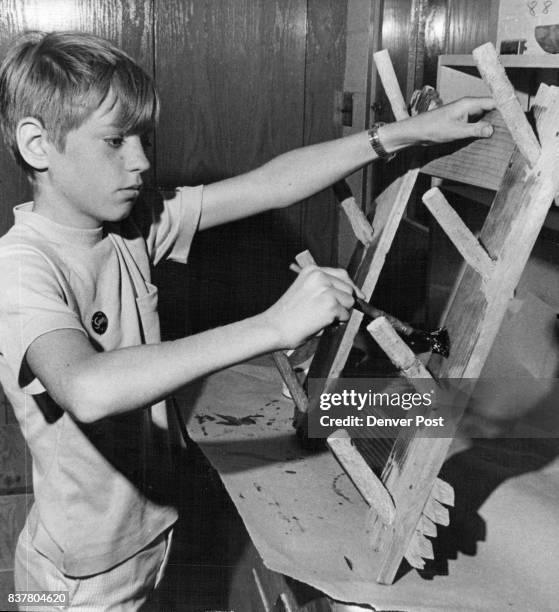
<point>407,498</point>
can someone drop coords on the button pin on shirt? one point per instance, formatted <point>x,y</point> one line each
<point>99,322</point>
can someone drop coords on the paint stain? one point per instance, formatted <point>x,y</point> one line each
<point>337,490</point>
<point>236,421</point>
<point>203,418</point>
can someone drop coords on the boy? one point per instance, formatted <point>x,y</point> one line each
<point>81,357</point>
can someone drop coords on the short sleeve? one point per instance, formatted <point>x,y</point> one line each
<point>33,302</point>
<point>174,221</point>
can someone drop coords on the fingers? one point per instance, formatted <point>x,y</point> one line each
<point>480,129</point>
<point>333,288</point>
<point>457,114</point>
<point>342,281</point>
<point>475,106</point>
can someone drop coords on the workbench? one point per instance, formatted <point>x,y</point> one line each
<point>308,522</point>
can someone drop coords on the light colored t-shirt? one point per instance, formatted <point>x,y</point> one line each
<point>95,503</point>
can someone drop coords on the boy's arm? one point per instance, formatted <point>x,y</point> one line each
<point>300,173</point>
<point>92,385</point>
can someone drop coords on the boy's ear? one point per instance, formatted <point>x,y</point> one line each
<point>33,143</point>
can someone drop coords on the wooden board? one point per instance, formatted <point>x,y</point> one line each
<point>481,162</point>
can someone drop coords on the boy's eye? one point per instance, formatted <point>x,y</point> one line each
<point>146,142</point>
<point>115,141</point>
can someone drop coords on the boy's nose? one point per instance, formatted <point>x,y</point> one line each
<point>136,158</point>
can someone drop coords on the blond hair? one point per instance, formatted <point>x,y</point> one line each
<point>60,78</point>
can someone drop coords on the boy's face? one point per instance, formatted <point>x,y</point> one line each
<point>98,176</point>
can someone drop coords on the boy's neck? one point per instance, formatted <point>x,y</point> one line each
<point>49,204</point>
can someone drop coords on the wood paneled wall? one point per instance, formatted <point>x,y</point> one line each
<point>243,82</point>
<point>240,81</point>
<point>416,32</point>
<point>233,77</point>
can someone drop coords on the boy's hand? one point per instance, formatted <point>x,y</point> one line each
<point>443,124</point>
<point>317,298</point>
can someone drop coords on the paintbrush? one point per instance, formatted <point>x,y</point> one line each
<point>420,341</point>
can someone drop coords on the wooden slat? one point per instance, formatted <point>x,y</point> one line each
<point>420,548</point>
<point>458,232</point>
<point>413,554</point>
<point>305,258</point>
<point>544,98</point>
<point>509,233</point>
<point>387,219</point>
<point>443,492</point>
<point>397,350</point>
<point>290,379</point>
<point>396,26</point>
<point>436,512</point>
<point>427,526</point>
<point>545,130</point>
<point>482,162</point>
<point>494,76</point>
<point>358,221</point>
<point>508,61</point>
<point>390,83</point>
<point>365,480</point>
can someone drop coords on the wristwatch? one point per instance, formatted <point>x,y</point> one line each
<point>376,143</point>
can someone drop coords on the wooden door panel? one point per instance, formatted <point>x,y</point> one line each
<point>232,82</point>
<point>325,68</point>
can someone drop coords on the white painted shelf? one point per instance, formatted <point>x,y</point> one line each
<point>508,61</point>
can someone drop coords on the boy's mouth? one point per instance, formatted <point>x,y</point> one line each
<point>132,191</point>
